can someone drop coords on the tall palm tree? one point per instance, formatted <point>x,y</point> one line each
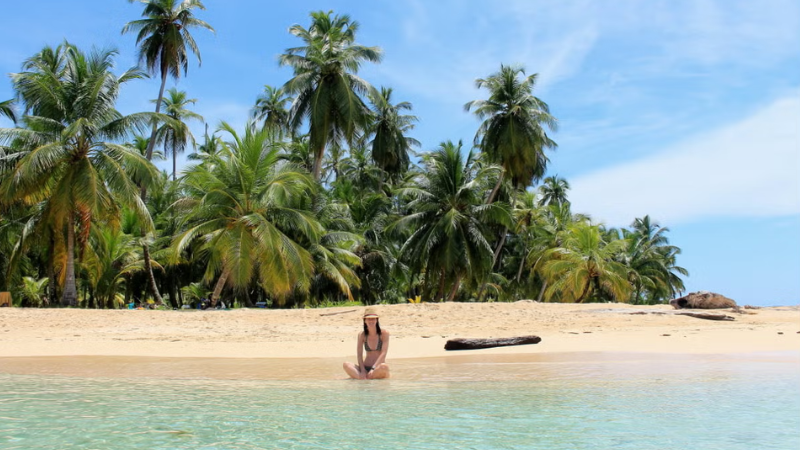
<point>175,135</point>
<point>327,92</point>
<point>583,267</point>
<point>390,145</point>
<point>163,37</point>
<point>271,108</point>
<point>243,210</point>
<point>71,163</point>
<point>513,131</point>
<point>553,190</point>
<point>448,221</point>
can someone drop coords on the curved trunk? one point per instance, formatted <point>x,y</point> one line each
<point>151,279</point>
<point>496,188</point>
<point>541,292</point>
<point>521,264</point>
<point>218,287</point>
<point>70,295</point>
<point>585,291</point>
<point>150,145</point>
<point>454,291</point>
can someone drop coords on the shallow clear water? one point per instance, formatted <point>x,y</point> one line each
<point>637,404</point>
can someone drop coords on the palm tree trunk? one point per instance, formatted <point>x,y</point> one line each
<point>521,264</point>
<point>490,200</point>
<point>440,293</point>
<point>585,291</point>
<point>151,279</point>
<point>51,274</point>
<point>541,291</point>
<point>218,287</point>
<point>454,291</point>
<point>318,163</point>
<point>152,143</point>
<point>70,296</point>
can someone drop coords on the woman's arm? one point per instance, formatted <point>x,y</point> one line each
<point>360,353</point>
<point>382,357</point>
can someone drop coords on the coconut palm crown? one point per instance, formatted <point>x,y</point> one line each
<point>513,131</point>
<point>327,92</point>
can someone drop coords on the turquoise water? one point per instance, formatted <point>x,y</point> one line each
<point>683,404</point>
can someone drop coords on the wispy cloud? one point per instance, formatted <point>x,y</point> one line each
<point>750,168</point>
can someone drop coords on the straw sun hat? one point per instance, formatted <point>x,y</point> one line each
<point>370,312</point>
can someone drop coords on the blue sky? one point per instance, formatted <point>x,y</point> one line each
<point>688,111</point>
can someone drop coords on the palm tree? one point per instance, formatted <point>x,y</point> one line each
<point>390,145</point>
<point>651,262</point>
<point>513,132</point>
<point>162,37</point>
<point>554,190</point>
<point>112,256</point>
<point>325,85</point>
<point>270,108</point>
<point>33,291</point>
<point>7,110</point>
<point>70,162</point>
<point>583,267</point>
<point>448,221</point>
<point>243,210</point>
<point>175,135</point>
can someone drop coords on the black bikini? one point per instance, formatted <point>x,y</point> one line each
<point>366,344</point>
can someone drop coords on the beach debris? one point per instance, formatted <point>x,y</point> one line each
<point>666,335</point>
<point>338,312</point>
<point>475,344</point>
<point>706,316</point>
<point>5,299</point>
<point>780,332</point>
<point>703,300</point>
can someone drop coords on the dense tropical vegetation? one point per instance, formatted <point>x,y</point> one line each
<point>321,198</point>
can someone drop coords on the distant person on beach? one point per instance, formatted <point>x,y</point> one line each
<point>375,342</point>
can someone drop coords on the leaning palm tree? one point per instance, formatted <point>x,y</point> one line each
<point>390,145</point>
<point>513,131</point>
<point>245,212</point>
<point>326,88</point>
<point>175,135</point>
<point>448,221</point>
<point>70,161</point>
<point>162,37</point>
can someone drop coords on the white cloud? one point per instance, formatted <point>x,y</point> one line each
<point>746,169</point>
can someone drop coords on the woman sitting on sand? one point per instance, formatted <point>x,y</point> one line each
<point>375,342</point>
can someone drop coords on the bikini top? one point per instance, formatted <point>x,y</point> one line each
<point>366,344</point>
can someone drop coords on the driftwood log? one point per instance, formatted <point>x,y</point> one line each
<point>475,344</point>
<point>706,316</point>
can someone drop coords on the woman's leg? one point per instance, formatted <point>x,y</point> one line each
<point>380,372</point>
<point>352,370</point>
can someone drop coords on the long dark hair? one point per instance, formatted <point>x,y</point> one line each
<point>377,327</point>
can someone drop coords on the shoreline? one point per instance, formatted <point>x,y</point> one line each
<point>473,366</point>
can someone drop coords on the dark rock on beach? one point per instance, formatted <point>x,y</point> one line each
<point>703,300</point>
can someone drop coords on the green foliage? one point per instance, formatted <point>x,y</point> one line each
<point>339,216</point>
